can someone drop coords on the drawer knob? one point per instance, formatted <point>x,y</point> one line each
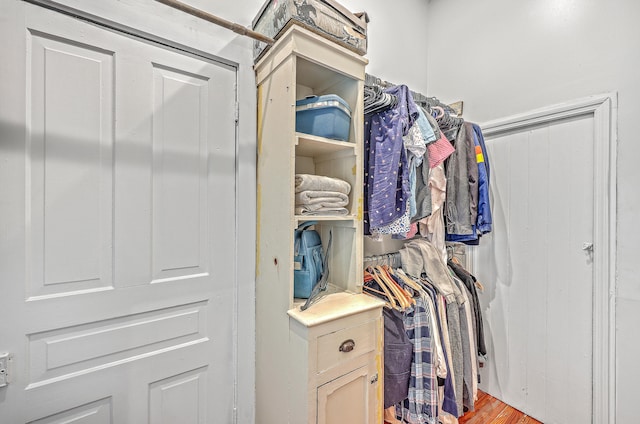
<point>347,346</point>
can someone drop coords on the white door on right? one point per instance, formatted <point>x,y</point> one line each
<point>537,268</point>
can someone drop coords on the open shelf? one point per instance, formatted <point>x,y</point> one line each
<point>312,145</point>
<point>323,218</point>
<point>317,76</point>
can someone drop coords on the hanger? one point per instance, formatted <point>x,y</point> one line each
<point>404,299</point>
<point>392,301</point>
<point>440,112</point>
<point>391,271</point>
<point>398,297</point>
<point>408,281</point>
<point>382,296</point>
<point>392,287</point>
<point>477,283</point>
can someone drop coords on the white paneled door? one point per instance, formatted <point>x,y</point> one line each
<point>117,226</point>
<point>538,269</point>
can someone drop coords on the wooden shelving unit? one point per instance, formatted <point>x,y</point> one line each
<point>322,365</point>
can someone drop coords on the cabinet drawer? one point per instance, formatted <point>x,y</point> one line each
<point>343,345</point>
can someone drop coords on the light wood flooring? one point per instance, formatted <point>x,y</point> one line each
<point>489,410</point>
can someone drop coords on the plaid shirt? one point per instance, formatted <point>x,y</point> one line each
<point>421,406</point>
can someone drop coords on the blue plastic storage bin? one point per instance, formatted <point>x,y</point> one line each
<point>326,116</point>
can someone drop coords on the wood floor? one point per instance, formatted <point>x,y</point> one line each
<point>490,410</point>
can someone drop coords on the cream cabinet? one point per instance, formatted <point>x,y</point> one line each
<point>337,344</point>
<point>324,364</point>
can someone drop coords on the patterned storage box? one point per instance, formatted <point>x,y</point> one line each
<point>325,17</point>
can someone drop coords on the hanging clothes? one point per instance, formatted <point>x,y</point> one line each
<point>460,176</point>
<point>433,329</point>
<point>469,281</point>
<point>383,163</point>
<point>426,180</point>
<point>484,221</point>
<point>397,191</point>
<point>472,393</point>
<point>468,354</point>
<point>421,405</point>
<point>416,146</point>
<point>420,256</point>
<point>386,216</point>
<point>432,227</point>
<point>448,403</point>
<point>398,352</point>
<point>421,191</point>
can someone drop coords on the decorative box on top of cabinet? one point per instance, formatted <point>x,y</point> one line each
<point>324,364</point>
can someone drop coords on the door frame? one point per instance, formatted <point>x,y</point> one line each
<point>121,22</point>
<point>603,109</point>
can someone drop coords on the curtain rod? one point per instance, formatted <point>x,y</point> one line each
<point>237,28</point>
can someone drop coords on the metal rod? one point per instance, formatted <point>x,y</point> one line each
<point>237,28</point>
<point>455,108</point>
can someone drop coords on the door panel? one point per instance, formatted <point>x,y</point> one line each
<point>70,179</point>
<point>180,164</point>
<point>179,399</point>
<point>337,398</point>
<point>539,280</point>
<point>98,412</point>
<point>123,195</point>
<point>62,353</point>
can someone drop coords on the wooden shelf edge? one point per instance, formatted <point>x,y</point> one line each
<point>317,139</point>
<point>324,218</point>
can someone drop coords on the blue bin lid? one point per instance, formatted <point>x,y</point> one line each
<point>318,102</point>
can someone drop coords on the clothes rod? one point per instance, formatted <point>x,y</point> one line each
<point>237,28</point>
<point>455,108</point>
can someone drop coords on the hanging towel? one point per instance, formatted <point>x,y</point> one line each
<point>304,182</point>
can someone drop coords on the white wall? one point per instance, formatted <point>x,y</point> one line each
<point>397,38</point>
<point>504,57</point>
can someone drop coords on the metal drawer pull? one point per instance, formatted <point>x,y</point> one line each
<point>347,346</point>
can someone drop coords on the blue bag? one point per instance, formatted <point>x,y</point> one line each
<point>308,260</point>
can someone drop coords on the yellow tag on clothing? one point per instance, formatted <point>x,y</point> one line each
<point>479,155</point>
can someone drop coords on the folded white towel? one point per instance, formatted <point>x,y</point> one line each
<point>321,198</point>
<point>304,182</point>
<point>304,210</point>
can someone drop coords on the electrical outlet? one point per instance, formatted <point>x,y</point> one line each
<point>4,369</point>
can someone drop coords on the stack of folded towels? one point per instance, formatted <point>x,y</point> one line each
<point>320,195</point>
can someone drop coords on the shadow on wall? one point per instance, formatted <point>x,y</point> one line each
<point>494,267</point>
